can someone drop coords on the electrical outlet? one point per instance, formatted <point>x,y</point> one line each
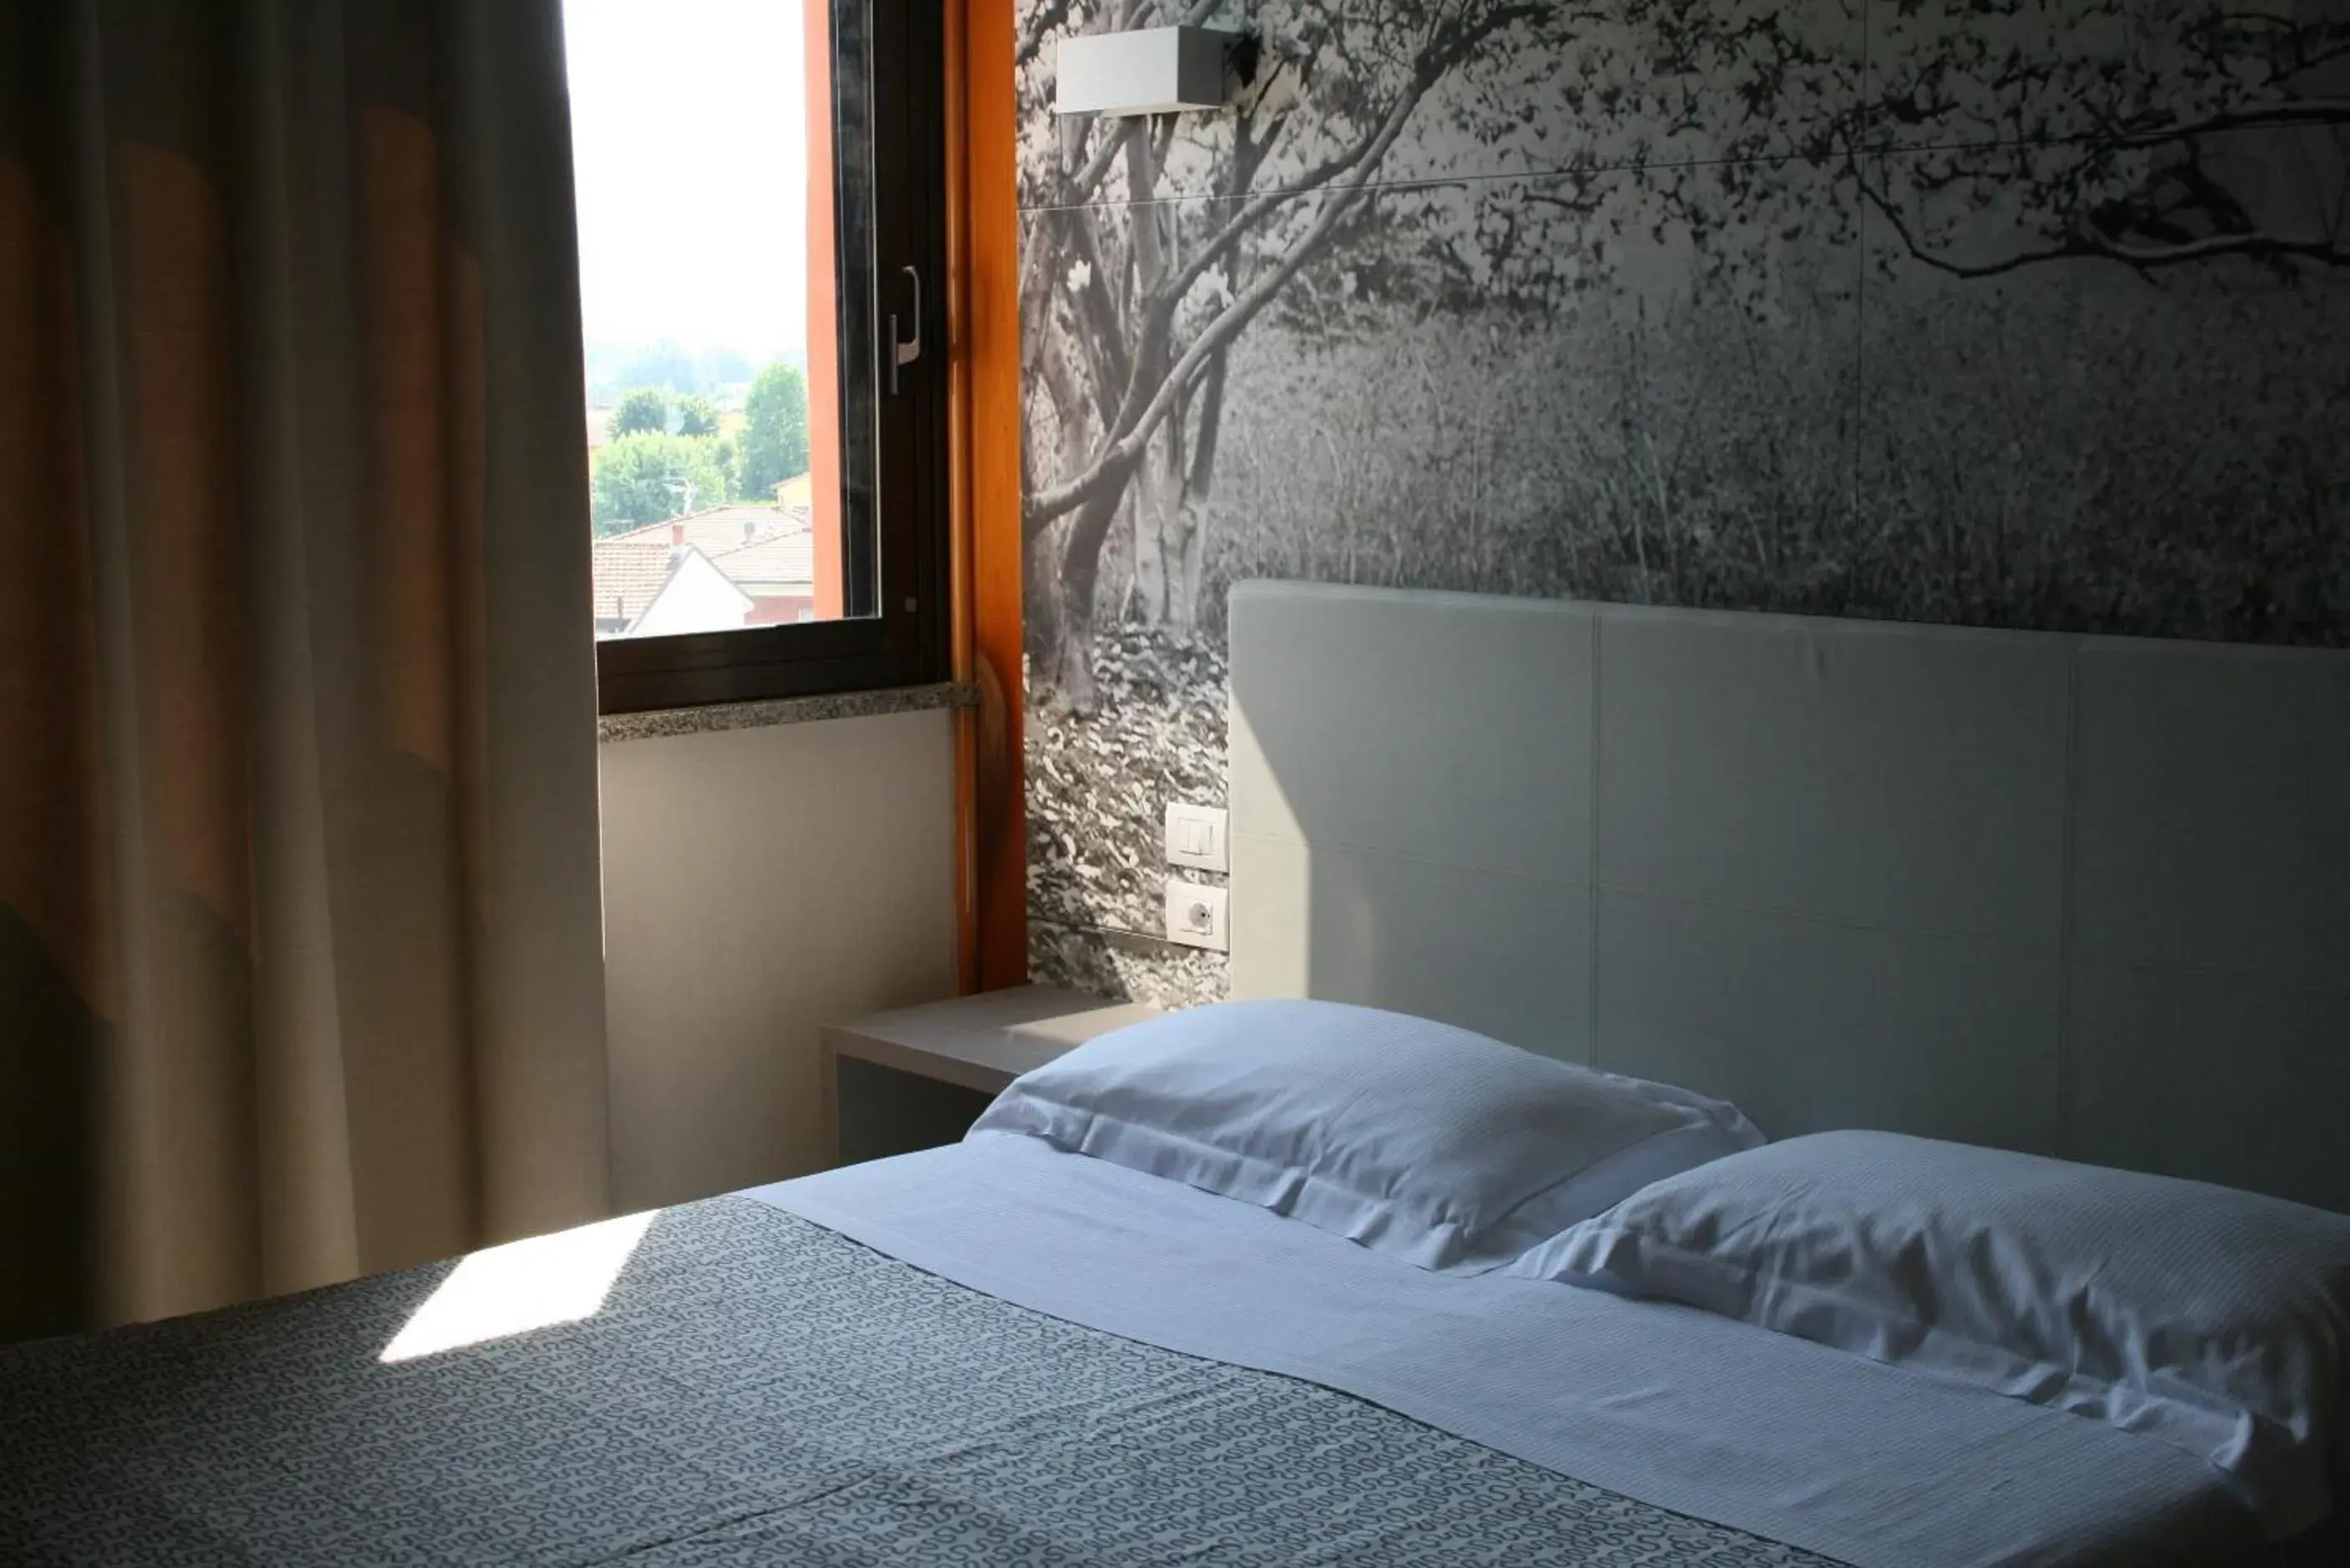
<point>1197,836</point>
<point>1197,915</point>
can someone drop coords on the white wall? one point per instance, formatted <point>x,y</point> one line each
<point>758,883</point>
<point>698,596</point>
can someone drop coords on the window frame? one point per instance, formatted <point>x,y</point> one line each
<point>897,571</point>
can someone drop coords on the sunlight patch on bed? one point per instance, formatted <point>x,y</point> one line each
<point>524,1285</point>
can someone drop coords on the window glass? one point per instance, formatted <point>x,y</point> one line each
<point>703,135</point>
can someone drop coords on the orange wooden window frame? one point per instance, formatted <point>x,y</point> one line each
<point>984,330</point>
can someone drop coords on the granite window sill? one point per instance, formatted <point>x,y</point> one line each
<point>657,725</point>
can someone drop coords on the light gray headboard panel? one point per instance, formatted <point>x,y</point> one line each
<point>2079,896</point>
<point>1413,837</point>
<point>1831,869</point>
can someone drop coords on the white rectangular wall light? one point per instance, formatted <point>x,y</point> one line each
<point>1154,70</point>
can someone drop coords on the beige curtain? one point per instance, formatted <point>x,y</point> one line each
<point>299,955</point>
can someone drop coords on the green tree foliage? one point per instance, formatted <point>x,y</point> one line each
<point>645,478</point>
<point>641,413</point>
<point>696,416</point>
<point>775,432</point>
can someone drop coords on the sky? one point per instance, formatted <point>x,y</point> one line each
<point>688,132</point>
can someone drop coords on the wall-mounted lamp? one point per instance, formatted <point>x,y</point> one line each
<point>1154,70</point>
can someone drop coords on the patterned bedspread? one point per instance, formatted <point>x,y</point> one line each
<point>755,1389</point>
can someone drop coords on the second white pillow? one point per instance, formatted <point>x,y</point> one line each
<point>2213,1320</point>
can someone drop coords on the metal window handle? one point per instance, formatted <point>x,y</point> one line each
<point>904,351</point>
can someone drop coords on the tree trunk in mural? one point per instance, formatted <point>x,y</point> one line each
<point>1168,506</point>
<point>1156,492</point>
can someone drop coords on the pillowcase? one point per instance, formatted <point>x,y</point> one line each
<point>1443,1147</point>
<point>2211,1319</point>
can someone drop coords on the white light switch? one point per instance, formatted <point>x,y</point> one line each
<point>1197,915</point>
<point>1196,837</point>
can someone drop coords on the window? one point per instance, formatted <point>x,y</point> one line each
<point>761,237</point>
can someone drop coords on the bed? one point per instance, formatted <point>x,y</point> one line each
<point>1904,878</point>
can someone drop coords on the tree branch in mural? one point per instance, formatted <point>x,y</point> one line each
<point>2169,168</point>
<point>1133,305</point>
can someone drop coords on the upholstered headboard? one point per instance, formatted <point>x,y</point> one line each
<point>2083,896</point>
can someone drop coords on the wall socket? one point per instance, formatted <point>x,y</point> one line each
<point>1197,915</point>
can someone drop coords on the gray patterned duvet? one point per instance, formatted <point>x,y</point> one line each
<point>755,1389</point>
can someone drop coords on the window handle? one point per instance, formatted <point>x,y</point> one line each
<point>903,350</point>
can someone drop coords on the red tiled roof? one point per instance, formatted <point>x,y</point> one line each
<point>717,529</point>
<point>783,560</point>
<point>630,573</point>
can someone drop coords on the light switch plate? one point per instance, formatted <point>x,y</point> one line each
<point>1198,837</point>
<point>1198,914</point>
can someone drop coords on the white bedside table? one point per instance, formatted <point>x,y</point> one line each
<point>919,1077</point>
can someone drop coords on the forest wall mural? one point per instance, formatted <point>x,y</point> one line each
<point>2013,313</point>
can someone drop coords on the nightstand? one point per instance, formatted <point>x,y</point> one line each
<point>919,1077</point>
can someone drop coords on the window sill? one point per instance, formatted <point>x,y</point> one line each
<point>718,716</point>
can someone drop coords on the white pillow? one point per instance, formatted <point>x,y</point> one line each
<point>1443,1147</point>
<point>2214,1320</point>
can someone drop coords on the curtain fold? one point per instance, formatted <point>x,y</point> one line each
<point>300,969</point>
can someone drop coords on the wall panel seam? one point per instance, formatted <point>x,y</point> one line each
<point>1591,856</point>
<point>2066,905</point>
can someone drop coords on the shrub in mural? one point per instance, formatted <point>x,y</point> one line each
<point>2013,312</point>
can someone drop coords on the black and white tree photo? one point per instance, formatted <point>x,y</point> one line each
<point>2023,313</point>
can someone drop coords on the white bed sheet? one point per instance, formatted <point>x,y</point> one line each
<point>1696,1414</point>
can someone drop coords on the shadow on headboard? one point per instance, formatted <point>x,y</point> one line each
<point>2080,896</point>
